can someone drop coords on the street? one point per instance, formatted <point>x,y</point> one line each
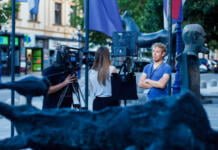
<point>211,109</point>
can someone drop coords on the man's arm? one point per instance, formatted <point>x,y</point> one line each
<point>160,83</point>
<point>69,79</point>
<point>142,83</point>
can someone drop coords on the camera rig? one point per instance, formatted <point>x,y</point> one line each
<point>71,60</point>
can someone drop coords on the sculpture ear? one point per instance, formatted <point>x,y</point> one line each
<point>195,36</point>
<point>191,38</point>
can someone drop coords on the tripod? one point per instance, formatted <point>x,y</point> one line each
<point>127,80</point>
<point>77,91</point>
<point>127,66</point>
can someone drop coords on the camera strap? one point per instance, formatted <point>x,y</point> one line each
<point>152,70</point>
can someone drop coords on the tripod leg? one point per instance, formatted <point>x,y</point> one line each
<point>76,105</point>
<point>61,99</point>
<point>80,91</point>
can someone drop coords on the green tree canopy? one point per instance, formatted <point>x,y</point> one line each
<point>5,11</point>
<point>148,15</point>
<point>205,13</point>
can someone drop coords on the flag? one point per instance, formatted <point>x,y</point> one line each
<point>177,11</point>
<point>104,16</point>
<point>33,6</point>
<point>21,1</point>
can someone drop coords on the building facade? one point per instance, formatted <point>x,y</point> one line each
<point>44,31</point>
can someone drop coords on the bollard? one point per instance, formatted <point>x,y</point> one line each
<point>203,85</point>
<point>213,83</point>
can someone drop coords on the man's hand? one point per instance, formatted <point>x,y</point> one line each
<point>69,79</point>
<point>142,83</point>
<point>147,81</point>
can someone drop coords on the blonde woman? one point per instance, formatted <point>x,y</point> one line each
<point>100,80</point>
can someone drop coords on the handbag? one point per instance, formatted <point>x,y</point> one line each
<point>124,86</point>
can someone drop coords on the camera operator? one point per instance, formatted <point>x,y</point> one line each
<point>60,78</point>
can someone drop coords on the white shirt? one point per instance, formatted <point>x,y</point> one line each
<point>97,89</point>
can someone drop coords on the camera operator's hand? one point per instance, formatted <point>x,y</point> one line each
<point>69,79</point>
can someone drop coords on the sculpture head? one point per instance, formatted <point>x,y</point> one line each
<point>193,37</point>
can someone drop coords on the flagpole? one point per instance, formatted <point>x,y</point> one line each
<point>169,19</point>
<point>86,51</point>
<point>177,82</point>
<point>179,47</point>
<point>12,47</point>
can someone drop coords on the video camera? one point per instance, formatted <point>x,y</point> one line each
<point>70,58</point>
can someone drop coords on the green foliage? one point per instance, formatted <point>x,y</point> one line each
<point>148,15</point>
<point>153,16</point>
<point>76,19</point>
<point>98,38</point>
<point>204,12</point>
<point>136,10</point>
<point>5,11</point>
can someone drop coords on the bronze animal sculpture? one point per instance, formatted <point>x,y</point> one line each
<point>177,122</point>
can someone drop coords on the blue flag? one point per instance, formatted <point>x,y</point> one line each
<point>33,6</point>
<point>21,0</point>
<point>104,16</point>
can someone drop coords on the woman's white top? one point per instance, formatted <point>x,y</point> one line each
<point>99,90</point>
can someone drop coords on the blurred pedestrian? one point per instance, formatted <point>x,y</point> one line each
<point>156,75</point>
<point>29,63</point>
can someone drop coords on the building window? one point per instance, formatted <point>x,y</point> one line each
<point>58,13</point>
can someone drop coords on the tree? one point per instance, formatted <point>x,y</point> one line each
<point>5,11</point>
<point>133,8</point>
<point>148,15</point>
<point>76,17</point>
<point>204,12</point>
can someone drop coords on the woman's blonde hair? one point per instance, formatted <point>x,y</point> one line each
<point>101,64</point>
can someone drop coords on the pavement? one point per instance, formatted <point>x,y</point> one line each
<point>209,91</point>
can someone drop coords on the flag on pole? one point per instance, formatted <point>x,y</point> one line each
<point>177,11</point>
<point>33,6</point>
<point>104,16</point>
<point>21,1</point>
